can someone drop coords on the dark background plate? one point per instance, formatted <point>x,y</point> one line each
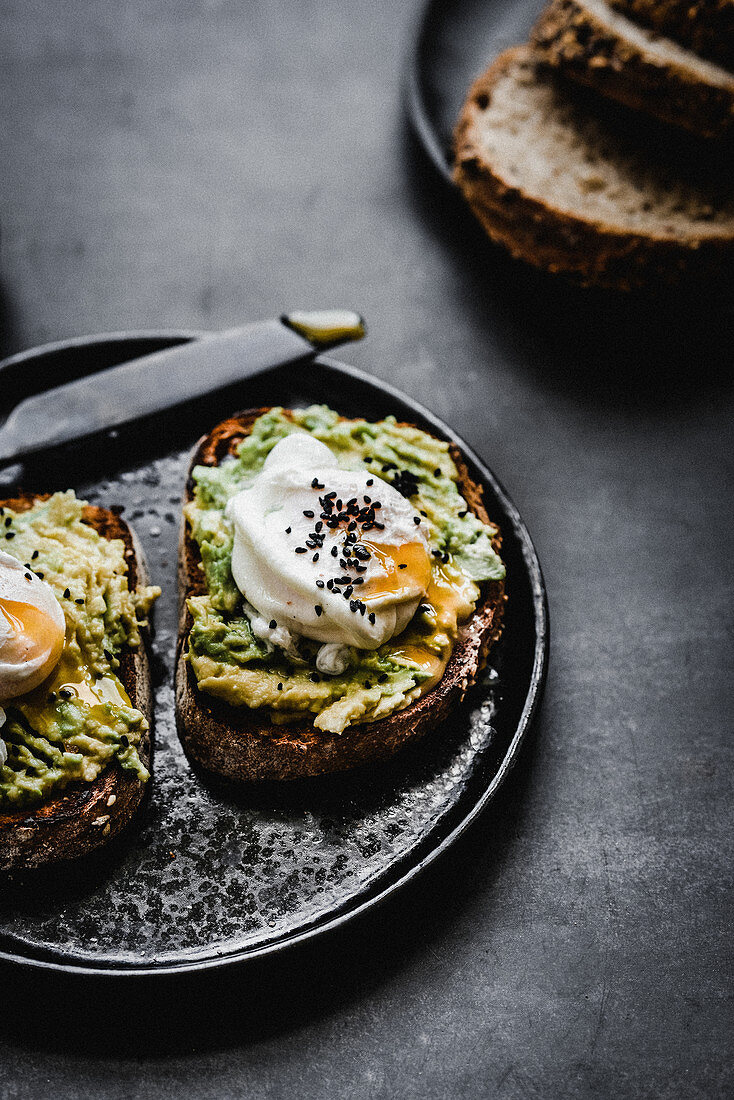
<point>455,42</point>
<point>218,876</point>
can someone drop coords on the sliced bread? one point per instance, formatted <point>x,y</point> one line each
<point>568,190</point>
<point>244,745</point>
<point>85,816</point>
<point>705,26</point>
<point>594,44</point>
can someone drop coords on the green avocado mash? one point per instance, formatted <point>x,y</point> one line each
<point>80,718</point>
<point>231,663</point>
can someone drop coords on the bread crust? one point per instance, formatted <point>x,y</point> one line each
<point>704,26</point>
<point>85,816</point>
<point>243,745</point>
<point>630,69</point>
<point>591,252</point>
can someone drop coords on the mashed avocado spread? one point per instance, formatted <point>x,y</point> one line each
<point>232,664</point>
<point>80,718</point>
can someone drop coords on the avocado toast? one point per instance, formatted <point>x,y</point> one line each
<point>78,746</point>
<point>247,709</point>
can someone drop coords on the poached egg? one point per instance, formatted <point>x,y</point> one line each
<point>32,629</point>
<point>335,555</point>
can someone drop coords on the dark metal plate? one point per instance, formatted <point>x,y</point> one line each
<point>455,42</point>
<point>215,876</point>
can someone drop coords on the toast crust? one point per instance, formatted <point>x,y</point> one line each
<point>628,64</point>
<point>704,26</point>
<point>555,240</point>
<point>85,816</point>
<point>244,745</point>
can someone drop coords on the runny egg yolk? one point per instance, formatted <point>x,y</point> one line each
<point>405,571</point>
<point>74,681</point>
<point>31,642</point>
<point>449,602</point>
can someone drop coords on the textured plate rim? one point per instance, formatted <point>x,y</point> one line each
<point>527,715</point>
<point>415,96</point>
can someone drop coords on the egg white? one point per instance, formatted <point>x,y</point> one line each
<point>32,628</point>
<point>281,584</point>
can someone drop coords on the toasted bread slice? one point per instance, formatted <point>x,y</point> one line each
<point>569,188</point>
<point>244,745</point>
<point>597,46</point>
<point>705,26</point>
<point>84,816</point>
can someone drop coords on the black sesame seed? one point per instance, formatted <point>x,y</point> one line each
<point>437,472</point>
<point>301,550</point>
<point>342,563</point>
<point>272,624</point>
<point>368,459</point>
<point>362,607</point>
<point>352,526</point>
<point>329,496</point>
<point>367,684</point>
<point>423,513</point>
<point>371,617</point>
<point>362,553</point>
<point>334,551</point>
<point>65,693</point>
<point>318,526</point>
<point>444,558</point>
<point>28,576</point>
<point>67,593</point>
<point>416,519</point>
<point>52,697</point>
<point>318,609</point>
<point>382,678</point>
<point>358,580</point>
<point>353,605</point>
<point>348,591</point>
<point>377,504</point>
<point>280,687</point>
<point>314,677</point>
<point>402,565</point>
<point>371,481</point>
<point>361,568</point>
<point>368,500</point>
<point>39,574</point>
<point>308,513</point>
<point>315,557</point>
<point>34,555</point>
<point>8,521</point>
<point>80,600</point>
<point>319,584</point>
<point>287,530</point>
<point>464,513</point>
<point>380,526</point>
<point>124,741</point>
<point>10,534</point>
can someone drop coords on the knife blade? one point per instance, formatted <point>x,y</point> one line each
<point>170,377</point>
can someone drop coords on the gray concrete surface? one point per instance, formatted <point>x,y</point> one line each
<point>202,163</point>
